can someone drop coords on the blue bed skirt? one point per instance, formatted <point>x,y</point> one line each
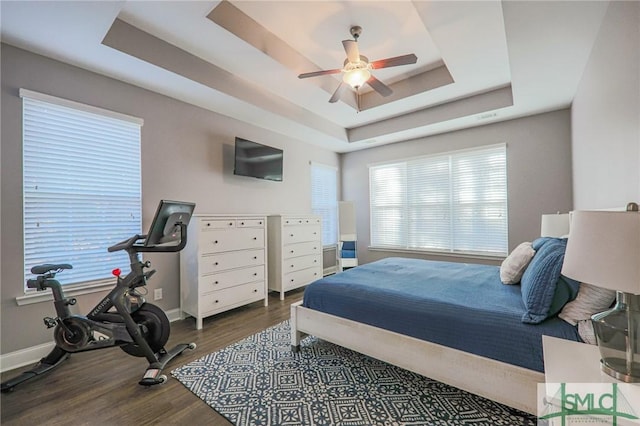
<point>462,306</point>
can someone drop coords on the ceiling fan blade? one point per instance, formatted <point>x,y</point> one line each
<point>317,73</point>
<point>395,61</point>
<point>379,86</point>
<point>351,48</point>
<point>336,95</point>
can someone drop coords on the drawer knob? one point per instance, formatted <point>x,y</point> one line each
<point>292,280</point>
<point>255,257</point>
<point>260,223</point>
<point>255,238</point>
<point>291,235</point>
<point>241,223</point>
<point>315,260</point>
<point>208,224</point>
<point>230,223</point>
<point>216,263</point>
<point>215,242</point>
<point>291,251</point>
<point>216,282</point>
<point>255,274</point>
<point>217,301</point>
<point>255,290</point>
<point>292,266</point>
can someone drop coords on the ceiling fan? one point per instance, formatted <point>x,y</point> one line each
<point>357,68</point>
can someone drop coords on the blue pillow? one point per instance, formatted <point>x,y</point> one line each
<point>544,293</point>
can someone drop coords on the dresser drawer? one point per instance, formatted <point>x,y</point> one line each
<point>301,249</point>
<point>301,262</point>
<point>303,277</point>
<point>230,260</point>
<point>292,221</point>
<point>231,297</point>
<point>230,278</point>
<point>250,223</point>
<point>206,225</point>
<point>219,240</point>
<point>300,233</point>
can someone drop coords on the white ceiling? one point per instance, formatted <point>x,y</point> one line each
<point>478,61</point>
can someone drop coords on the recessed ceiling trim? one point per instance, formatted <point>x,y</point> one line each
<point>488,101</point>
<point>128,39</point>
<point>246,28</point>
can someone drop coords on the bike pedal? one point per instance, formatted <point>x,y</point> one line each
<point>49,322</point>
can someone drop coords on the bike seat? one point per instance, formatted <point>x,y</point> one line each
<point>48,267</point>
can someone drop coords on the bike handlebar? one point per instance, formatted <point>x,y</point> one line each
<point>130,243</point>
<point>125,244</point>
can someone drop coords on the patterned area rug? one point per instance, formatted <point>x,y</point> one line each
<point>259,381</point>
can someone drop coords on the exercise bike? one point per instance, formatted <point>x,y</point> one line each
<point>122,318</point>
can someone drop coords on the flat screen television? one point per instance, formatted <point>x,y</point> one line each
<point>257,160</point>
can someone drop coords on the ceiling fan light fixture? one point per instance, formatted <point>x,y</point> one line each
<point>356,77</point>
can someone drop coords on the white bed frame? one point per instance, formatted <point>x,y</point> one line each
<point>501,382</point>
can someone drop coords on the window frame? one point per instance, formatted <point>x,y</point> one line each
<point>404,208</point>
<point>32,102</point>
<point>332,207</point>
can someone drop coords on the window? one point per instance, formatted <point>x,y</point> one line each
<point>324,200</point>
<point>454,202</point>
<point>81,186</point>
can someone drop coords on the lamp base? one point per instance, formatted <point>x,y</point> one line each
<point>614,367</point>
<point>618,334</point>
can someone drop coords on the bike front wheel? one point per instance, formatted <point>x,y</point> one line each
<point>155,328</point>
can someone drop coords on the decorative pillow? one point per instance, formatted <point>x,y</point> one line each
<point>586,332</point>
<point>541,280</point>
<point>515,264</point>
<point>590,300</point>
<point>566,290</point>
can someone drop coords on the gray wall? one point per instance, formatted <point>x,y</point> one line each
<point>606,115</point>
<point>538,173</point>
<point>187,155</point>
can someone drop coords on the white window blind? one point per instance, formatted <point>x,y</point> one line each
<point>81,186</point>
<point>324,200</point>
<point>454,202</point>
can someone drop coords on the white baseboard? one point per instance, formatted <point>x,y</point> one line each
<point>24,356</point>
<point>31,355</point>
<point>174,314</point>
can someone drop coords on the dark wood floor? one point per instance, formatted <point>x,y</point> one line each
<point>101,387</point>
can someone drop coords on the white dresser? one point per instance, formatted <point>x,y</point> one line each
<point>295,251</point>
<point>224,264</point>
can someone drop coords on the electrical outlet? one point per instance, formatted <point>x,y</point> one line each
<point>157,294</point>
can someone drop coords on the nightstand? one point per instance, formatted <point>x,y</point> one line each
<point>566,361</point>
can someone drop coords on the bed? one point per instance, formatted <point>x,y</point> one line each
<point>453,322</point>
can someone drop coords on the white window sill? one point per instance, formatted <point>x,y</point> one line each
<point>464,255</point>
<point>69,291</point>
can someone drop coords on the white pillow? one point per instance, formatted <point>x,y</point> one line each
<point>515,264</point>
<point>586,332</point>
<point>590,300</point>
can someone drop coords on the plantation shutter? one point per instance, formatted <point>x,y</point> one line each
<point>81,186</point>
<point>453,202</point>
<point>324,200</point>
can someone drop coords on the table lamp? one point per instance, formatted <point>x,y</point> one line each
<point>604,250</point>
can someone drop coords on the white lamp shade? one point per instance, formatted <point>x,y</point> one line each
<point>604,250</point>
<point>554,225</point>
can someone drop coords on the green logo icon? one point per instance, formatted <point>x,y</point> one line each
<point>609,405</point>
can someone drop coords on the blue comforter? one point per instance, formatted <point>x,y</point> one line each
<point>462,306</point>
